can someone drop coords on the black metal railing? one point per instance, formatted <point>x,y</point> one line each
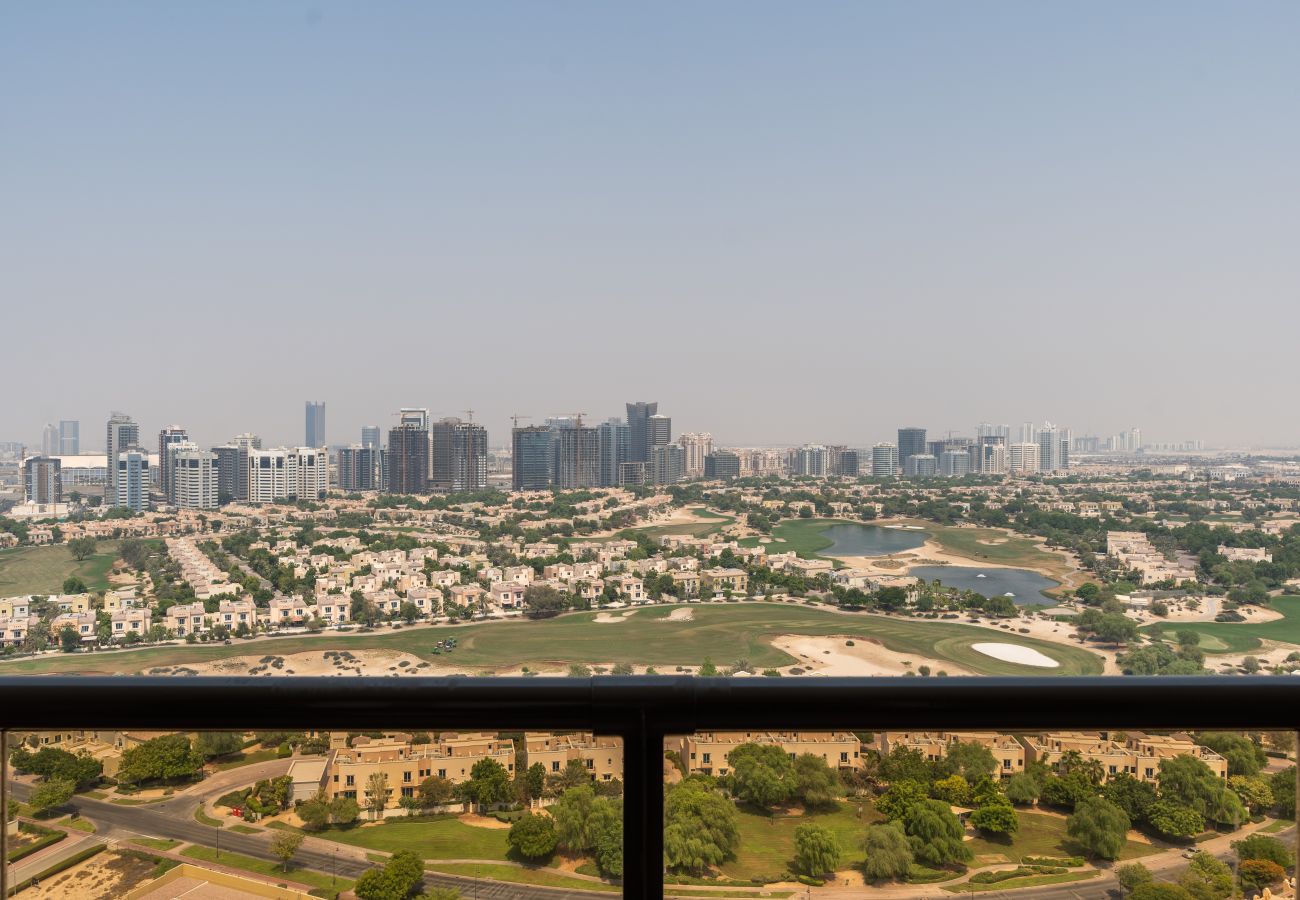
<point>643,710</point>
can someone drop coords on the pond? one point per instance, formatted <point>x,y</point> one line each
<point>1025,586</point>
<point>869,540</point>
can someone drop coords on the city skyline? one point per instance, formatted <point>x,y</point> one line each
<point>868,207</point>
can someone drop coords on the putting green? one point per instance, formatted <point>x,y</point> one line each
<point>723,632</point>
<point>1238,637</point>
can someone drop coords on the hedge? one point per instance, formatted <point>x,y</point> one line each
<point>1018,872</point>
<point>45,840</point>
<point>1071,861</point>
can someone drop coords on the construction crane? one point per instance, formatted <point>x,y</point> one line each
<point>577,417</point>
<point>516,417</point>
<point>469,413</point>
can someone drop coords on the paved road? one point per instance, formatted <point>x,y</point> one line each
<point>75,842</point>
<point>151,821</point>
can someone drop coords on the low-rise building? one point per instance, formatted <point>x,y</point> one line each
<point>601,756</point>
<point>707,752</point>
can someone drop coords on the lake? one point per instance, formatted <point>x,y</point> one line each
<point>869,540</point>
<point>1027,586</point>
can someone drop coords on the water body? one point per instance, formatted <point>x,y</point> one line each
<point>869,540</point>
<point>1026,586</point>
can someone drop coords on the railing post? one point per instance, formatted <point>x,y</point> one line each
<point>4,813</point>
<point>643,812</point>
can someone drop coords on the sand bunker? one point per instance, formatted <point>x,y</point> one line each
<point>1014,653</point>
<point>607,619</point>
<point>681,615</point>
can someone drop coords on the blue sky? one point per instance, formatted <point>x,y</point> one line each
<point>785,222</point>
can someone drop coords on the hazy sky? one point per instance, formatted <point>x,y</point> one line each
<point>783,221</point>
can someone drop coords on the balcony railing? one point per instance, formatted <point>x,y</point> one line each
<point>643,710</point>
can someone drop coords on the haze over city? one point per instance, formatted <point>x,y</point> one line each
<point>785,226</point>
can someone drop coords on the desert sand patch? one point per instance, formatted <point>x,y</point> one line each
<point>1015,653</point>
<point>832,656</point>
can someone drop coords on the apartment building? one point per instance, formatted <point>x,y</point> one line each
<point>1008,753</point>
<point>284,472</point>
<point>1139,755</point>
<point>348,770</point>
<point>719,580</point>
<point>707,752</point>
<point>602,756</point>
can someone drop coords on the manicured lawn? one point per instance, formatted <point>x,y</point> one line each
<point>996,546</point>
<point>1042,835</point>
<point>245,829</point>
<point>1275,827</point>
<point>804,536</point>
<point>446,838</point>
<point>1238,637</point>
<point>266,868</point>
<point>767,843</point>
<point>42,570</point>
<point>1027,881</point>
<point>247,759</point>
<point>156,843</point>
<point>203,818</point>
<point>710,523</point>
<point>670,891</point>
<point>520,875</point>
<point>80,824</point>
<point>723,632</point>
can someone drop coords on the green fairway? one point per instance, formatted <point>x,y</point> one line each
<point>1239,637</point>
<point>722,632</point>
<point>443,838</point>
<point>1028,881</point>
<point>269,869</point>
<point>709,523</point>
<point>1041,835</point>
<point>766,849</point>
<point>42,570</point>
<point>996,546</point>
<point>804,536</point>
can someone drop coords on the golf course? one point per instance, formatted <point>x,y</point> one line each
<point>1239,637</point>
<point>722,632</point>
<point>42,570</point>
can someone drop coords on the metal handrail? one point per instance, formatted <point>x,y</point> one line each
<point>642,710</point>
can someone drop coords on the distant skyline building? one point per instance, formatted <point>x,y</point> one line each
<point>49,440</point>
<point>955,463</point>
<point>131,479</point>
<point>1053,448</point>
<point>809,459</point>
<point>911,441</point>
<point>69,437</point>
<point>195,479</point>
<point>459,456</point>
<point>638,440</point>
<point>921,465</point>
<point>530,458</point>
<point>245,442</point>
<point>667,464</point>
<point>575,455</point>
<point>615,439</point>
<point>370,437</point>
<point>658,432</point>
<point>42,480</point>
<point>359,468</point>
<point>229,460</point>
<point>722,465</point>
<point>314,432</point>
<point>168,438</point>
<point>408,459</point>
<point>697,445</point>
<point>284,473</point>
<point>122,433</point>
<point>884,460</point>
<point>1022,457</point>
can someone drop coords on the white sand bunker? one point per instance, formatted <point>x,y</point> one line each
<point>607,619</point>
<point>681,615</point>
<point>1014,653</point>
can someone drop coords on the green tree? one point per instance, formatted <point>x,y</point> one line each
<point>953,790</point>
<point>996,818</point>
<point>1133,796</point>
<point>543,601</point>
<point>1257,874</point>
<point>572,812</point>
<point>401,877</point>
<point>377,792</point>
<point>218,743</point>
<point>435,791</point>
<point>1022,789</point>
<point>605,831</point>
<point>344,810</point>
<point>1175,820</point>
<point>51,793</point>
<point>1207,878</point>
<point>409,612</point>
<point>707,669</point>
<point>935,834</point>
<point>701,827</point>
<point>970,760</point>
<point>1190,782</point>
<point>535,781</point>
<point>74,585</point>
<point>1244,756</point>
<point>1283,786</point>
<point>314,813</point>
<point>170,757</point>
<point>1160,890</point>
<point>82,548</point>
<point>762,774</point>
<point>533,836</point>
<point>1254,791</point>
<point>815,849</point>
<point>889,855</point>
<point>284,844</point>
<point>1133,876</point>
<point>488,783</point>
<point>901,796</point>
<point>1261,846</point>
<point>1099,826</point>
<point>1067,790</point>
<point>817,785</point>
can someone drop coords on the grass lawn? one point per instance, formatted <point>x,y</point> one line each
<point>767,843</point>
<point>201,816</point>
<point>268,869</point>
<point>1027,881</point>
<point>723,632</point>
<point>247,759</point>
<point>41,570</point>
<point>245,829</point>
<point>446,838</point>
<point>1238,637</point>
<point>520,875</point>
<point>710,523</point>
<point>671,891</point>
<point>1041,835</point>
<point>997,546</point>
<point>804,536</point>
<point>156,843</point>
<point>1276,826</point>
<point>79,824</point>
